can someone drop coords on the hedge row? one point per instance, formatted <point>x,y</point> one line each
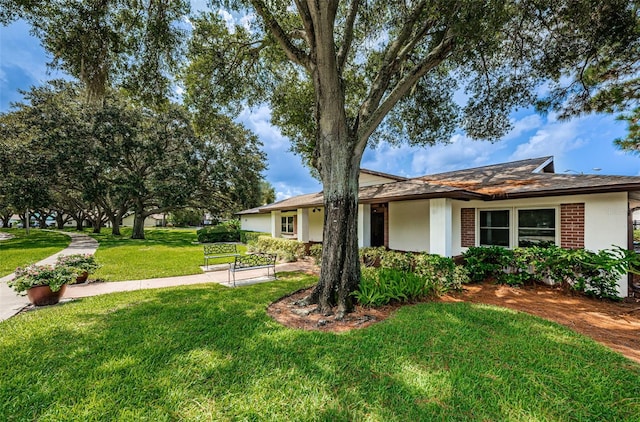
<point>595,274</point>
<point>224,233</point>
<point>287,250</point>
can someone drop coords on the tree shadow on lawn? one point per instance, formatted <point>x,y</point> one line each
<point>208,351</point>
<point>36,240</point>
<point>166,237</point>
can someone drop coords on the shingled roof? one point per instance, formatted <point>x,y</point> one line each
<point>518,179</point>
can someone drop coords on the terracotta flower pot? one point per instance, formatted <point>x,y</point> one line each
<point>82,277</point>
<point>42,295</point>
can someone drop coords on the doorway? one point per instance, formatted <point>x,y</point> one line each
<point>378,213</point>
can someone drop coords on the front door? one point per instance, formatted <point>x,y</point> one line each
<point>377,226</point>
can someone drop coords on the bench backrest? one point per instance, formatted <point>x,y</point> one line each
<point>220,249</point>
<point>254,260</point>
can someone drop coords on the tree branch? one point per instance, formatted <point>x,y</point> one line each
<point>390,62</point>
<point>433,59</point>
<point>343,52</point>
<point>293,53</point>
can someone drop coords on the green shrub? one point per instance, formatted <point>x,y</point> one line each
<point>286,249</point>
<point>219,233</point>
<point>595,274</point>
<point>250,237</point>
<point>371,256</point>
<point>380,286</point>
<point>316,252</point>
<point>401,261</point>
<point>428,276</point>
<point>487,262</point>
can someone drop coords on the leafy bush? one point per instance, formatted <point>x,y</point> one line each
<point>316,252</point>
<point>595,274</point>
<point>286,249</point>
<point>401,261</point>
<point>371,256</point>
<point>384,285</point>
<point>249,237</point>
<point>487,262</point>
<point>406,277</point>
<point>219,233</point>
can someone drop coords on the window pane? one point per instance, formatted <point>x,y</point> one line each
<point>536,227</point>
<point>494,218</point>
<point>537,218</point>
<point>494,237</point>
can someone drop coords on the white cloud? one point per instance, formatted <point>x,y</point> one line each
<point>526,124</point>
<point>284,191</point>
<point>461,152</point>
<point>555,138</point>
<point>228,19</point>
<point>259,121</point>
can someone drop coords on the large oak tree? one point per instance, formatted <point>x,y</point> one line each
<point>340,75</point>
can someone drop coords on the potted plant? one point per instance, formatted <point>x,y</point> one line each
<point>83,263</point>
<point>43,284</point>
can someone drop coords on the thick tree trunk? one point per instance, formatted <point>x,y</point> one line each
<point>340,270</point>
<point>97,226</point>
<point>115,225</point>
<point>138,226</point>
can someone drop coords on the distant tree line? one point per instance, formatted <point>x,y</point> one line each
<point>64,156</point>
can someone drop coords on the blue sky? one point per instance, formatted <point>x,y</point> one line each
<point>579,145</point>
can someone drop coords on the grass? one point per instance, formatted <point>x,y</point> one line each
<point>164,253</point>
<point>211,353</point>
<point>25,249</point>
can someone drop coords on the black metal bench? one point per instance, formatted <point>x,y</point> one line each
<point>252,262</point>
<point>219,250</point>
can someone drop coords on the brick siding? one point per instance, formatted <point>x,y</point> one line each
<point>468,227</point>
<point>572,226</point>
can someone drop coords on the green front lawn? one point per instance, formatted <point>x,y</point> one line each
<point>22,249</point>
<point>208,352</point>
<point>164,253</point>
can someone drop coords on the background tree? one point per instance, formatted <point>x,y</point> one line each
<point>126,43</point>
<point>267,193</point>
<point>340,75</point>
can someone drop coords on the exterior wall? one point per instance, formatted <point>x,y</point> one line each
<point>316,224</point>
<point>605,217</point>
<point>605,220</point>
<point>256,222</point>
<point>366,179</point>
<point>409,225</point>
<point>148,222</point>
<point>572,226</point>
<point>468,227</point>
<point>364,225</point>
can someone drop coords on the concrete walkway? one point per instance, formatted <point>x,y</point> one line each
<point>11,303</point>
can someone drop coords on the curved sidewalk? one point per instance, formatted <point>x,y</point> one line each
<point>11,303</point>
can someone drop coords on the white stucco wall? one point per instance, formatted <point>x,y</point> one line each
<point>256,222</point>
<point>148,222</point>
<point>316,221</point>
<point>409,225</point>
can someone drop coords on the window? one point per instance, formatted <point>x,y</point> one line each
<point>536,227</point>
<point>494,228</point>
<point>287,225</point>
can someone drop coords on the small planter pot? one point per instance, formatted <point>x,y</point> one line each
<point>43,296</point>
<point>82,277</point>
